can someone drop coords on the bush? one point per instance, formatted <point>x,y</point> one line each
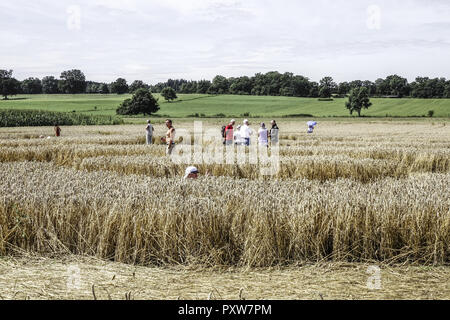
<point>431,113</point>
<point>35,118</point>
<point>142,102</point>
<point>169,94</point>
<point>160,116</point>
<point>299,115</point>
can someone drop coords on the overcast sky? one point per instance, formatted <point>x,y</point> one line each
<point>154,40</point>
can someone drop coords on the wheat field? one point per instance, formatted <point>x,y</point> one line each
<point>373,191</point>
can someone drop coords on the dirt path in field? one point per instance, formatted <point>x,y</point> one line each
<point>81,278</point>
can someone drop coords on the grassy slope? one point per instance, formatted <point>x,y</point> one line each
<point>230,105</point>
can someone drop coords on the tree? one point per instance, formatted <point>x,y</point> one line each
<point>175,84</point>
<point>273,83</point>
<point>119,86</point>
<point>429,88</point>
<point>73,81</point>
<point>371,87</point>
<point>301,86</point>
<point>220,85</point>
<point>189,87</point>
<point>169,94</point>
<point>203,86</point>
<point>438,85</point>
<point>398,86</point>
<point>142,102</point>
<point>358,100</point>
<point>343,88</point>
<point>325,92</point>
<point>137,84</point>
<point>383,87</point>
<point>329,83</point>
<point>421,88</point>
<point>447,90</point>
<point>104,89</point>
<point>287,91</point>
<point>8,85</point>
<point>92,87</point>
<point>6,74</point>
<point>31,86</point>
<point>49,85</point>
<point>314,91</point>
<point>326,87</point>
<point>242,85</point>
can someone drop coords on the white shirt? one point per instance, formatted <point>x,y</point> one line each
<point>149,129</point>
<point>237,137</point>
<point>246,131</point>
<point>263,135</point>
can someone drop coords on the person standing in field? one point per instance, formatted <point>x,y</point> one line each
<point>237,136</point>
<point>229,136</point>
<point>274,133</point>
<point>246,132</point>
<point>57,130</point>
<point>170,137</point>
<point>149,131</point>
<point>263,135</point>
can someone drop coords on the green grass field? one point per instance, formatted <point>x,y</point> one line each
<point>231,105</point>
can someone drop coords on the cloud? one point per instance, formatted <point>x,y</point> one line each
<point>154,40</point>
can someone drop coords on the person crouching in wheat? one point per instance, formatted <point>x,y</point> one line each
<point>193,173</point>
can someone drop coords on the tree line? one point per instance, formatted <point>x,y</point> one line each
<point>268,84</point>
<point>287,84</point>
